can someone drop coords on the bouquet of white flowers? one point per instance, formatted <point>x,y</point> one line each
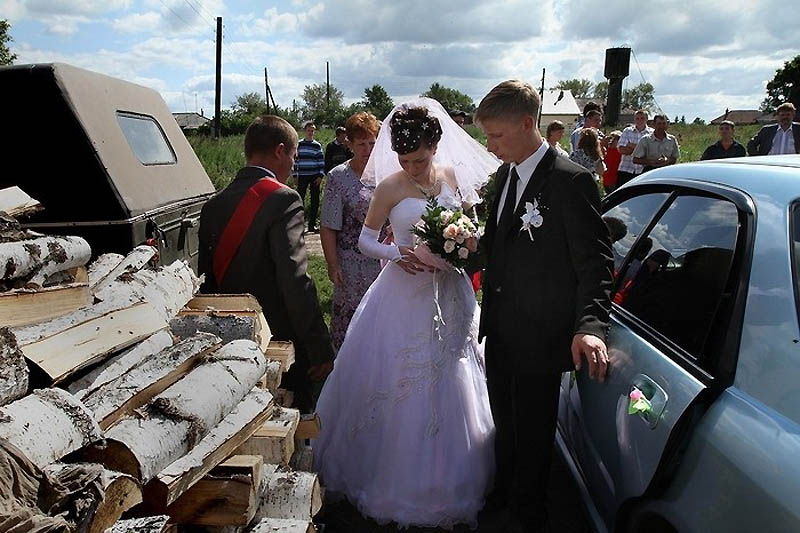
<point>450,235</point>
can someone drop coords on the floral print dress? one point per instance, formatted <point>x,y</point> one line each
<point>344,210</point>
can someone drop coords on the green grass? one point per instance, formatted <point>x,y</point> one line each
<point>318,271</point>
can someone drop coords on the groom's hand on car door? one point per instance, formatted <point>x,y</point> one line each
<point>594,350</point>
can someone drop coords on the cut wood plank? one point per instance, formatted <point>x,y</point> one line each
<point>16,203</point>
<point>102,266</point>
<point>156,435</point>
<point>119,364</point>
<point>149,377</point>
<point>285,493</point>
<point>47,425</point>
<point>167,289</point>
<point>27,306</point>
<point>119,492</point>
<point>272,377</point>
<point>282,525</point>
<point>133,262</point>
<point>226,496</point>
<point>233,304</point>
<point>220,443</point>
<point>274,440</point>
<point>36,259</point>
<point>308,427</point>
<point>60,356</point>
<point>13,369</point>
<point>148,524</point>
<point>282,351</point>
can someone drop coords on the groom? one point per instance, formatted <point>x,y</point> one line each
<point>546,296</point>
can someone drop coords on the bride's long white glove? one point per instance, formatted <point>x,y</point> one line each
<point>370,246</point>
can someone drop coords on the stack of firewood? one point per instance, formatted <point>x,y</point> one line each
<point>165,401</point>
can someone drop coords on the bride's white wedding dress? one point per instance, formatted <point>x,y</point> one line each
<point>407,432</point>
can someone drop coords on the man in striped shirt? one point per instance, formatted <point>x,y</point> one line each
<point>627,144</point>
<point>309,167</point>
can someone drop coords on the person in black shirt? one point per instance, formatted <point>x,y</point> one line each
<point>337,151</point>
<point>726,146</point>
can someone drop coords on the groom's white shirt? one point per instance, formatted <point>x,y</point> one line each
<point>525,171</point>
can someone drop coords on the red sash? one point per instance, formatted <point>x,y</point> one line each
<point>239,224</point>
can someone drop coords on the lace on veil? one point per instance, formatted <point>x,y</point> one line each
<point>469,159</point>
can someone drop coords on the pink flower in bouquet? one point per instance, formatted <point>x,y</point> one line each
<point>463,253</point>
<point>450,232</point>
<point>449,246</point>
<point>635,394</point>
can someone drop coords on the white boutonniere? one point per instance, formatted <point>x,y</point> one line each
<point>531,218</point>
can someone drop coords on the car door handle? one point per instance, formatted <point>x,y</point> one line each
<point>655,395</point>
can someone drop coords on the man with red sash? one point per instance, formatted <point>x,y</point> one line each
<point>251,241</point>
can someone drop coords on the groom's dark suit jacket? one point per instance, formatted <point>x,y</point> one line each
<point>539,293</point>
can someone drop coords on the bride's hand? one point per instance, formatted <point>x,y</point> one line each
<point>409,262</point>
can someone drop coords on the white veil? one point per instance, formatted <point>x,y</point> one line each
<point>470,160</point>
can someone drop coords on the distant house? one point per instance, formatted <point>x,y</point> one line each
<point>190,121</point>
<point>566,109</point>
<point>745,116</point>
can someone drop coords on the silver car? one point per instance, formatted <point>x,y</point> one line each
<point>697,426</point>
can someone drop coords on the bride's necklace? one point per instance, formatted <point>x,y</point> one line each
<point>427,191</point>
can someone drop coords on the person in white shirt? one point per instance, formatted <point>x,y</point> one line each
<point>627,144</point>
<point>780,138</point>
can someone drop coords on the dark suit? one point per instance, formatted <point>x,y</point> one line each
<point>761,143</point>
<point>270,264</point>
<point>537,295</point>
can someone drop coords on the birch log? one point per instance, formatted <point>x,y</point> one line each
<point>167,289</point>
<point>47,425</point>
<point>147,441</point>
<point>102,266</point>
<point>273,375</point>
<point>226,327</point>
<point>119,364</point>
<point>284,493</point>
<point>282,525</point>
<point>274,440</point>
<point>149,377</point>
<point>15,202</point>
<point>133,262</point>
<point>220,443</point>
<point>35,259</point>
<point>148,524</point>
<point>13,369</point>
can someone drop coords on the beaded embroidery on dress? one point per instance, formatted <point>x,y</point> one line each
<point>407,433</point>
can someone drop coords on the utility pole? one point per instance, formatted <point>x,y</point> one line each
<point>218,96</point>
<point>541,102</point>
<point>266,88</point>
<point>328,85</point>
<point>195,103</point>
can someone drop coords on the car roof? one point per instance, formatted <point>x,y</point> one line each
<point>776,176</point>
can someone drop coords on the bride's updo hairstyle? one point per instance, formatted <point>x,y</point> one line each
<point>413,128</point>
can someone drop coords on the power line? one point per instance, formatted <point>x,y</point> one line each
<point>202,7</point>
<point>175,13</point>
<point>198,13</point>
<point>644,80</point>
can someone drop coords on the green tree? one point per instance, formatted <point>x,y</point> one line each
<point>252,104</point>
<point>601,90</point>
<point>784,87</point>
<point>699,121</point>
<point>580,88</point>
<point>451,99</point>
<point>6,57</point>
<point>317,108</point>
<point>683,119</point>
<point>377,101</point>
<point>639,97</point>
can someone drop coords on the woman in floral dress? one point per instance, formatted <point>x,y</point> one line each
<point>343,211</point>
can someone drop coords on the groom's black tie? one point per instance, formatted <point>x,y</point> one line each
<point>510,204</point>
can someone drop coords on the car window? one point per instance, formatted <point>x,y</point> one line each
<point>677,286</point>
<point>146,139</point>
<point>627,220</point>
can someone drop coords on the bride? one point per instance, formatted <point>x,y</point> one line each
<point>407,433</point>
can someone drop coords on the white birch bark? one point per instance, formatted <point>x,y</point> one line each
<point>40,257</point>
<point>133,262</point>
<point>227,327</point>
<point>282,525</point>
<point>167,289</point>
<point>148,524</point>
<point>101,267</point>
<point>178,418</point>
<point>47,425</point>
<point>284,493</point>
<point>119,364</point>
<point>13,368</point>
<point>147,375</point>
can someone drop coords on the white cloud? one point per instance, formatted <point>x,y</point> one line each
<point>137,22</point>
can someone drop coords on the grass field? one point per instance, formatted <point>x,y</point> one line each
<point>223,157</point>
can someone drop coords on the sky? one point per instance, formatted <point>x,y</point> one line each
<point>702,57</point>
